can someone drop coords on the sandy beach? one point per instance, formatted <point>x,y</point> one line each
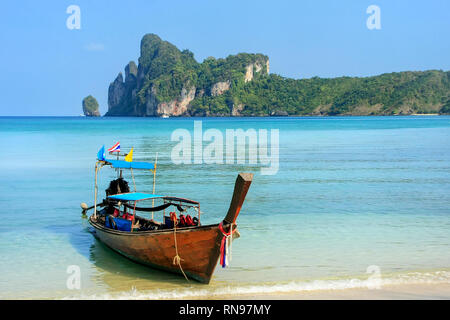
<point>387,292</point>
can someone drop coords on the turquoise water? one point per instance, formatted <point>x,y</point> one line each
<point>351,192</point>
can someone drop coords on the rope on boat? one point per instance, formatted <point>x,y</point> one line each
<point>225,245</point>
<point>176,259</point>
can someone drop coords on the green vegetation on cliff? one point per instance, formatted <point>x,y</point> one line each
<point>170,81</point>
<point>165,68</point>
<point>386,94</point>
<point>446,108</point>
<point>169,70</point>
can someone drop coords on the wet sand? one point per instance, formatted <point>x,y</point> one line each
<point>387,292</point>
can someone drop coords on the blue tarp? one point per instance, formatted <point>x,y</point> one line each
<point>134,196</point>
<point>121,224</point>
<point>121,164</point>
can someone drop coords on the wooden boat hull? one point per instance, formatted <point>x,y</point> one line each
<point>198,248</point>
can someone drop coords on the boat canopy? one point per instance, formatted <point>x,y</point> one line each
<point>134,196</point>
<point>181,200</point>
<point>122,164</point>
<point>140,196</point>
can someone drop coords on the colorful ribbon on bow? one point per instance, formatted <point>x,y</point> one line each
<point>225,245</point>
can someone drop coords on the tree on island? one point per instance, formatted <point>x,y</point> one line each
<point>90,107</point>
<point>446,108</point>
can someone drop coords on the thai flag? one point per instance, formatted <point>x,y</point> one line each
<point>115,148</point>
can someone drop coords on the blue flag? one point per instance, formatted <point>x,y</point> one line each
<point>101,154</point>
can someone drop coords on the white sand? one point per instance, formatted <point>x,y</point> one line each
<point>391,292</point>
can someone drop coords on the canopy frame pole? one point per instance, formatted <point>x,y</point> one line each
<point>134,216</point>
<point>95,191</point>
<point>154,181</point>
<point>164,213</point>
<point>118,171</point>
<point>132,177</point>
<point>97,168</point>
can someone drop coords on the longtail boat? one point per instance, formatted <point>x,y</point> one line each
<point>178,244</point>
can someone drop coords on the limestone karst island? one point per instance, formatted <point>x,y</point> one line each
<point>90,107</point>
<point>170,82</point>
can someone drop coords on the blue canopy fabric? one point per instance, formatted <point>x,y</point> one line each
<point>134,196</point>
<point>121,164</point>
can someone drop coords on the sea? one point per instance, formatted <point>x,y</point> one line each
<point>355,202</point>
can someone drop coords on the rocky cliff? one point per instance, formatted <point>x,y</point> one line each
<point>122,94</point>
<point>168,80</point>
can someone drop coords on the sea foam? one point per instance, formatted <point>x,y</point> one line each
<point>224,291</point>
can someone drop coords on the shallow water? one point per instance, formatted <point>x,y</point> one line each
<point>350,193</point>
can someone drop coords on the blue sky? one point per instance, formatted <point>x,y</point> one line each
<point>47,69</point>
